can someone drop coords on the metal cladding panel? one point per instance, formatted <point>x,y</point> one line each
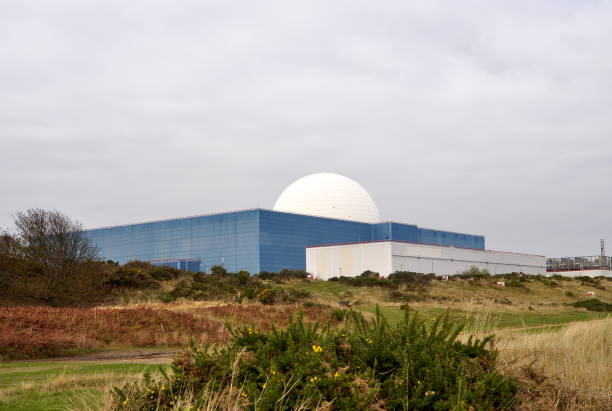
<point>437,237</point>
<point>254,240</point>
<point>404,232</point>
<point>381,231</point>
<point>285,236</point>
<point>231,239</point>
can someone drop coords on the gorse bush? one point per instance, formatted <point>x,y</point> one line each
<point>398,279</point>
<point>363,364</point>
<point>593,304</point>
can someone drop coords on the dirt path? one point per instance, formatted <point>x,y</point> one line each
<point>123,356</point>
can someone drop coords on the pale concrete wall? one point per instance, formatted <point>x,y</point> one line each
<point>582,273</point>
<point>450,260</point>
<point>388,257</point>
<point>348,260</point>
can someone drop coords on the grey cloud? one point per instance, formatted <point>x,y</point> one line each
<point>483,117</point>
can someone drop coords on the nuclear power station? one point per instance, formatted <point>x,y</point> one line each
<point>324,223</point>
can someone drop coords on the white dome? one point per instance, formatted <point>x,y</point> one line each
<point>328,195</point>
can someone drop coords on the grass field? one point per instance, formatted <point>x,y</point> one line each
<point>538,333</point>
<point>62,385</point>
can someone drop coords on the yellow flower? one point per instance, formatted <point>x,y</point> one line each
<point>243,394</point>
<point>125,402</point>
<point>313,379</point>
<point>273,372</point>
<point>336,375</point>
<point>369,341</point>
<point>263,386</point>
<point>317,348</point>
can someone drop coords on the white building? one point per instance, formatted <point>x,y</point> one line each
<point>386,257</point>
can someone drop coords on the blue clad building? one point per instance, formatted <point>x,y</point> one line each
<point>319,209</point>
<point>253,240</point>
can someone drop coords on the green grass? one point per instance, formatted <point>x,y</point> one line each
<point>528,319</point>
<point>60,385</point>
<point>499,319</point>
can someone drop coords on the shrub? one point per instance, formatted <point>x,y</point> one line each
<point>218,270</point>
<point>164,273</point>
<point>131,278</point>
<point>411,279</point>
<point>182,289</point>
<point>339,314</point>
<point>474,273</point>
<point>291,295</point>
<point>366,279</point>
<point>283,275</point>
<point>593,304</point>
<point>515,284</point>
<point>267,296</point>
<point>364,365</point>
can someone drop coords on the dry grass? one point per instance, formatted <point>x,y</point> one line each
<point>562,368</point>
<point>36,332</point>
<point>571,366</point>
<point>534,294</point>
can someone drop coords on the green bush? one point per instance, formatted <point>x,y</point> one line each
<point>182,289</point>
<point>218,270</point>
<point>515,284</point>
<point>474,273</point>
<point>131,277</point>
<point>339,314</point>
<point>411,279</point>
<point>364,365</point>
<point>593,304</point>
<point>283,275</point>
<point>266,296</point>
<point>164,273</point>
<point>365,279</point>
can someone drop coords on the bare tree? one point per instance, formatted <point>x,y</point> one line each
<point>54,241</point>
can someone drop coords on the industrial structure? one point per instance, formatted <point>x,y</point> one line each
<point>590,266</point>
<point>324,223</point>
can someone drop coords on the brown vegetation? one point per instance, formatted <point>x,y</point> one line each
<point>30,332</point>
<point>569,369</point>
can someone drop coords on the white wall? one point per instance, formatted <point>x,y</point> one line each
<point>387,257</point>
<point>583,273</point>
<point>348,260</point>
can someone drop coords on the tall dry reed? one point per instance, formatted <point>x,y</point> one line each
<point>572,366</point>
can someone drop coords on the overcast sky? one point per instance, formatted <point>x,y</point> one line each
<point>488,117</point>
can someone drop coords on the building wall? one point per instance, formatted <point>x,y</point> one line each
<point>386,257</point>
<point>452,260</point>
<point>253,240</point>
<point>349,260</point>
<point>582,273</point>
<point>228,238</point>
<point>415,234</point>
<point>285,236</point>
